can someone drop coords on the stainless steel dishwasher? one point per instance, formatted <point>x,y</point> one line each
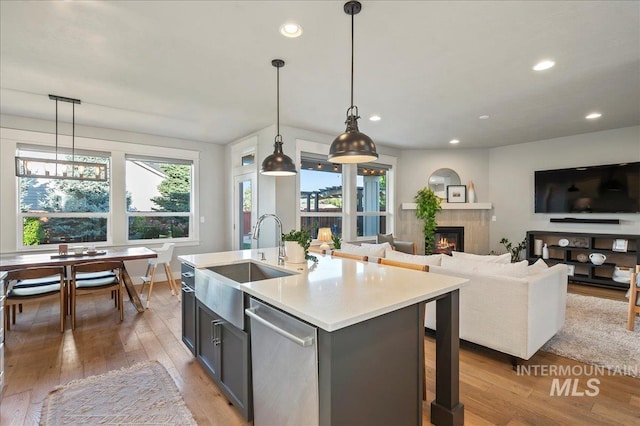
<point>284,357</point>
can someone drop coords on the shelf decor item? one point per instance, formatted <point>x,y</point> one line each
<point>563,242</point>
<point>456,193</point>
<point>620,245</point>
<point>597,258</point>
<point>582,257</point>
<point>472,193</point>
<point>537,247</point>
<point>545,251</point>
<point>571,270</point>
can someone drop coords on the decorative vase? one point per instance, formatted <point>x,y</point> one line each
<point>545,251</point>
<point>537,247</point>
<point>472,193</point>
<point>295,252</point>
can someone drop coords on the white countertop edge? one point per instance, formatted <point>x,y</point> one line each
<point>330,327</point>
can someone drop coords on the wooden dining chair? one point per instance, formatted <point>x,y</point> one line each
<point>338,253</point>
<point>414,266</point>
<point>23,286</point>
<point>96,277</point>
<point>634,298</point>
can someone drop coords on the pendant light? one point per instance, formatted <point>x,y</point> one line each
<point>352,146</point>
<point>278,164</point>
<point>62,169</point>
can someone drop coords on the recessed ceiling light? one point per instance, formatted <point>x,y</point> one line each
<point>483,117</point>
<point>375,118</point>
<point>454,141</point>
<point>593,116</point>
<point>291,29</point>
<point>543,65</point>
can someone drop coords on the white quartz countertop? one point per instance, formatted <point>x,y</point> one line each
<point>335,292</point>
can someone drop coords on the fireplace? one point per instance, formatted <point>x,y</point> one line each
<point>448,239</point>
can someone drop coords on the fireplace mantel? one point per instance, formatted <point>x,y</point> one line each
<point>453,206</point>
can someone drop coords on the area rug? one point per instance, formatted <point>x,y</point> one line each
<point>595,332</point>
<point>143,394</point>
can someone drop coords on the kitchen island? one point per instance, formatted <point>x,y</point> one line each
<point>370,332</point>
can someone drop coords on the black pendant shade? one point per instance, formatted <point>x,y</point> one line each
<point>278,164</point>
<point>352,146</point>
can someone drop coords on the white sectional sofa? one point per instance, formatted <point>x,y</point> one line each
<point>513,315</point>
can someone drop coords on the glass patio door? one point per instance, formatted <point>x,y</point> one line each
<point>244,210</point>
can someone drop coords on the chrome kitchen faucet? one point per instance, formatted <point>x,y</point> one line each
<point>279,242</point>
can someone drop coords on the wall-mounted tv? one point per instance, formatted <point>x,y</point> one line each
<point>611,188</point>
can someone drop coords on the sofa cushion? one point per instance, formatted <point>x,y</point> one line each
<point>537,267</point>
<point>371,250</point>
<point>503,258</point>
<point>518,269</point>
<point>432,260</point>
<point>388,238</point>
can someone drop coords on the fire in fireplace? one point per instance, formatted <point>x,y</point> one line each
<point>449,239</point>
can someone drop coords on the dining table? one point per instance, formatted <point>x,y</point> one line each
<point>29,260</point>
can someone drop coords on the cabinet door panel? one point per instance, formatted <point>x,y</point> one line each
<point>207,351</point>
<point>189,320</point>
<point>234,364</point>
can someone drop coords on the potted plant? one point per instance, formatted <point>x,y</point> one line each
<point>336,241</point>
<point>296,244</point>
<point>515,251</point>
<point>428,205</point>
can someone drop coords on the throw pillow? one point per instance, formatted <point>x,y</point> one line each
<point>432,260</point>
<point>503,258</point>
<point>536,268</point>
<point>381,238</point>
<point>364,250</point>
<point>518,269</point>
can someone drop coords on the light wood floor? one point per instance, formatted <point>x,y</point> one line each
<point>38,357</point>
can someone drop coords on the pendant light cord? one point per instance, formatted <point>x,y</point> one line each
<point>73,136</point>
<point>56,137</point>
<point>352,37</point>
<point>278,137</point>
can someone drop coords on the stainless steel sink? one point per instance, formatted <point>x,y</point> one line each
<point>218,287</point>
<point>248,271</point>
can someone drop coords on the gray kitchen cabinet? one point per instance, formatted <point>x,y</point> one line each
<point>223,351</point>
<point>188,307</point>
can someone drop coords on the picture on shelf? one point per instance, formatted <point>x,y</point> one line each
<point>456,193</point>
<point>620,245</point>
<point>571,270</point>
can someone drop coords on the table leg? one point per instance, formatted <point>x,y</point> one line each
<point>446,409</point>
<point>133,294</point>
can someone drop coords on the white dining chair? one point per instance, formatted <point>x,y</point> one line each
<point>165,254</point>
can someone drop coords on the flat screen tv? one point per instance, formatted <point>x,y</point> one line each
<point>611,188</point>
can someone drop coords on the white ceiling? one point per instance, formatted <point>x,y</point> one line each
<point>202,70</point>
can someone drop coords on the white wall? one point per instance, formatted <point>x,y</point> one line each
<point>211,176</point>
<point>415,167</point>
<point>511,182</point>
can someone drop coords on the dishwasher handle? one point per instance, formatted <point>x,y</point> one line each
<point>304,342</point>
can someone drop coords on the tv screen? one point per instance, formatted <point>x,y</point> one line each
<point>611,188</point>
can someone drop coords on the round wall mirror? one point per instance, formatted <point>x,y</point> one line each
<point>439,180</point>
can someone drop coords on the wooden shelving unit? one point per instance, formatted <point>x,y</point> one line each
<point>587,272</point>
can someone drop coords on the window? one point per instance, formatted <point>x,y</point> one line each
<point>354,200</point>
<point>158,195</point>
<point>54,211</point>
<point>371,199</point>
<point>320,201</point>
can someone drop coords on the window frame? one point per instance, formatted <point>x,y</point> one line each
<point>189,214</point>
